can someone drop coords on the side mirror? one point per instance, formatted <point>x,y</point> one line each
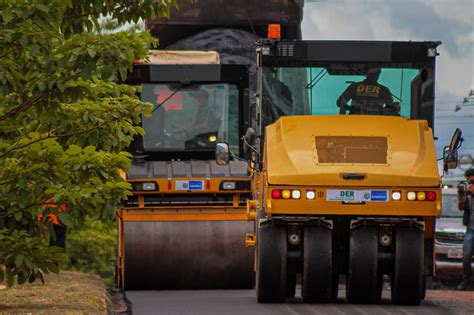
<point>456,140</point>
<point>450,158</point>
<point>450,153</point>
<point>222,153</point>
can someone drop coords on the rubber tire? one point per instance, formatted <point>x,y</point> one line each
<point>380,284</point>
<point>271,263</point>
<point>407,279</point>
<point>290,285</point>
<point>317,265</point>
<point>334,286</point>
<point>361,284</point>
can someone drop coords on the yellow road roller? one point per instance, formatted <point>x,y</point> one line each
<point>345,176</point>
<point>183,226</point>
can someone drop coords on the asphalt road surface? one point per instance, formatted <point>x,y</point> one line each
<point>244,302</point>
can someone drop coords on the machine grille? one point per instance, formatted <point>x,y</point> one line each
<point>285,49</point>
<point>450,238</point>
<point>355,150</point>
<point>186,199</point>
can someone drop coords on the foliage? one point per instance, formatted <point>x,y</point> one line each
<point>64,118</point>
<point>28,256</point>
<point>92,248</point>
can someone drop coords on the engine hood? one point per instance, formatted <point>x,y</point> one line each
<point>450,225</point>
<point>319,150</point>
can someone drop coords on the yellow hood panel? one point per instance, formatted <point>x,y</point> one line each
<point>292,157</point>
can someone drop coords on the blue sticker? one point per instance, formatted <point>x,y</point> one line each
<point>195,185</point>
<point>378,195</point>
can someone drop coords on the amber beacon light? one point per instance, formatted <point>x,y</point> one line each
<point>274,31</point>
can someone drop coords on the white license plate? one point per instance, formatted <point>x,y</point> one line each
<point>357,195</point>
<point>455,253</point>
<point>189,185</point>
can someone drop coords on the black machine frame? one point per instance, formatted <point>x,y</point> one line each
<point>394,54</point>
<point>187,74</point>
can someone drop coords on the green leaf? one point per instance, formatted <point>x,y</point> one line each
<point>41,86</point>
<point>34,49</point>
<point>107,71</point>
<point>74,149</point>
<point>21,278</point>
<point>10,278</point>
<point>18,215</point>
<point>90,149</point>
<point>19,260</point>
<point>7,16</point>
<point>60,258</point>
<point>64,218</point>
<point>43,7</point>
<point>91,52</point>
<point>53,267</point>
<point>32,278</point>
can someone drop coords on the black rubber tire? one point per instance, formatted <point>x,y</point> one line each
<point>407,279</point>
<point>271,263</point>
<point>334,286</point>
<point>361,284</point>
<point>290,285</point>
<point>380,284</point>
<point>317,264</point>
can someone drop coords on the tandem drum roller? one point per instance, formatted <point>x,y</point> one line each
<point>188,255</point>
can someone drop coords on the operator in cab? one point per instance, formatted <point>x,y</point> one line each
<point>368,97</point>
<point>203,118</point>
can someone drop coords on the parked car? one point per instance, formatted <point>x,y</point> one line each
<point>449,238</point>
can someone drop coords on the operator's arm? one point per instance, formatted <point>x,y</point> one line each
<point>387,97</point>
<point>344,98</point>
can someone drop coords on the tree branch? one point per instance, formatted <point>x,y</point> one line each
<point>50,137</point>
<point>22,107</point>
<point>19,210</point>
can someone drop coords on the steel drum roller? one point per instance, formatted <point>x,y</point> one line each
<point>188,255</point>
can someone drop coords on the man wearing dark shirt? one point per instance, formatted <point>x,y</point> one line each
<point>204,120</point>
<point>368,97</point>
<point>466,204</point>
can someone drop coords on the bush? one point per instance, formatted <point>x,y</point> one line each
<point>92,248</point>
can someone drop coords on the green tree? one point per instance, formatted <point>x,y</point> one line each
<point>64,119</point>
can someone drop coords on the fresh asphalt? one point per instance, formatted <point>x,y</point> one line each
<point>244,302</point>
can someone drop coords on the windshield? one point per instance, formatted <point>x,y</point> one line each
<point>191,117</point>
<point>350,89</point>
<point>450,206</point>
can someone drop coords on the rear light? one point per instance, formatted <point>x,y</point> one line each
<point>310,194</point>
<point>276,193</point>
<point>420,196</point>
<point>286,194</point>
<point>411,195</point>
<point>431,196</point>
<point>296,194</point>
<point>396,195</point>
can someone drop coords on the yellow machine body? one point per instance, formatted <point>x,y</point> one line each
<point>185,244</point>
<point>293,161</point>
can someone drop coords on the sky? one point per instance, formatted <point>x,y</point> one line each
<point>448,21</point>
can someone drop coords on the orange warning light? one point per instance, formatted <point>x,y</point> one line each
<point>274,31</point>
